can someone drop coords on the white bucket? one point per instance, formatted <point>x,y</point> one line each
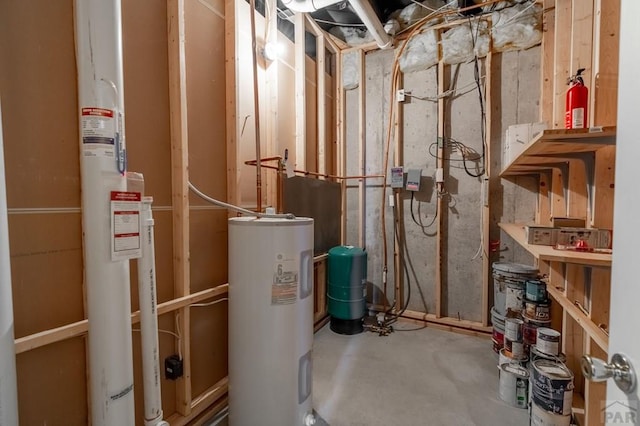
<point>506,358</point>
<point>548,341</point>
<point>514,385</point>
<point>514,300</point>
<point>541,417</point>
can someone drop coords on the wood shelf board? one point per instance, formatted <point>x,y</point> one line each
<point>598,336</point>
<point>555,142</point>
<point>548,253</point>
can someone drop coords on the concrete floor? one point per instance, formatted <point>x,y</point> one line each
<point>426,377</point>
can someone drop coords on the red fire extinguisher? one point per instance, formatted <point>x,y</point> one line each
<point>577,100</point>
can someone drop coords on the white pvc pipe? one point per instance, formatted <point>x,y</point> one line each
<point>363,9</point>
<point>370,19</point>
<point>8,387</point>
<point>100,92</point>
<point>149,320</point>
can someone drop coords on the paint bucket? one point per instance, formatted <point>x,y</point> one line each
<point>513,385</point>
<point>548,341</point>
<point>505,358</point>
<point>539,311</point>
<point>536,291</point>
<point>498,330</point>
<point>513,329</point>
<point>504,273</point>
<point>530,330</point>
<point>535,355</point>
<point>541,417</point>
<point>552,385</point>
<point>514,298</point>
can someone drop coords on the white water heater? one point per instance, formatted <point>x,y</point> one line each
<point>270,321</point>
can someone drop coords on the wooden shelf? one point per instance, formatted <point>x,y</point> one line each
<point>599,337</point>
<point>549,145</point>
<point>548,253</point>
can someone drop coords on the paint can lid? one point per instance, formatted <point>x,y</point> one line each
<point>552,369</point>
<point>515,369</point>
<point>514,268</point>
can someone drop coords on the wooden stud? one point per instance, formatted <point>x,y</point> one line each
<point>547,66</point>
<point>271,103</point>
<point>341,146</point>
<point>362,149</point>
<point>231,75</point>
<point>604,85</point>
<point>595,393</point>
<point>582,40</point>
<point>300,92</point>
<point>543,211</point>
<point>321,104</point>
<point>180,188</point>
<point>398,245</point>
<point>573,335</point>
<point>562,60</point>
<point>76,329</point>
<point>486,208</point>
<point>440,206</point>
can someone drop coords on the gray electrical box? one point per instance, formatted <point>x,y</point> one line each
<point>413,179</point>
<point>397,177</point>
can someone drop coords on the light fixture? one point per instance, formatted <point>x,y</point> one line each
<point>272,51</point>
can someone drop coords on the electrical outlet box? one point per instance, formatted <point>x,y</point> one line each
<point>439,175</point>
<point>401,95</point>
<point>397,177</point>
<point>173,367</point>
<point>413,179</point>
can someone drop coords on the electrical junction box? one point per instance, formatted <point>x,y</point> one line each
<point>397,177</point>
<point>173,367</point>
<point>413,179</point>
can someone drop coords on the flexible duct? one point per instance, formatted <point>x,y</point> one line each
<point>362,8</point>
<point>102,166</point>
<point>8,388</point>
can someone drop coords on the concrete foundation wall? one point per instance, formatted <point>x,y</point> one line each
<point>515,97</point>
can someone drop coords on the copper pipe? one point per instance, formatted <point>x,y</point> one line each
<point>256,103</point>
<point>306,173</point>
<point>280,188</point>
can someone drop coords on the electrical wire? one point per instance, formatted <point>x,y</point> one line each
<point>202,305</point>
<point>416,221</point>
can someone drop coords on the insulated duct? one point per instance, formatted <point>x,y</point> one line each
<point>98,34</point>
<point>8,387</point>
<point>362,8</point>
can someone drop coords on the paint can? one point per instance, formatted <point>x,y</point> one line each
<point>498,330</point>
<point>548,341</point>
<point>514,299</point>
<point>513,385</point>
<point>536,291</point>
<point>513,329</point>
<point>530,330</point>
<point>535,355</point>
<point>504,273</point>
<point>506,358</point>
<point>552,385</point>
<point>539,311</point>
<point>541,417</point>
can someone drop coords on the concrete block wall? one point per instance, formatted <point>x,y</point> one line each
<point>515,82</point>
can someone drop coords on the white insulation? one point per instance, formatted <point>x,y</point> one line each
<point>420,53</point>
<point>517,28</point>
<point>353,36</point>
<point>350,71</point>
<point>464,42</point>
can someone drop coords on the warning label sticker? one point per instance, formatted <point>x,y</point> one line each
<point>125,225</point>
<point>284,290</point>
<point>98,130</point>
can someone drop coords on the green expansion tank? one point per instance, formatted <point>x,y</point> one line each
<point>347,288</point>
